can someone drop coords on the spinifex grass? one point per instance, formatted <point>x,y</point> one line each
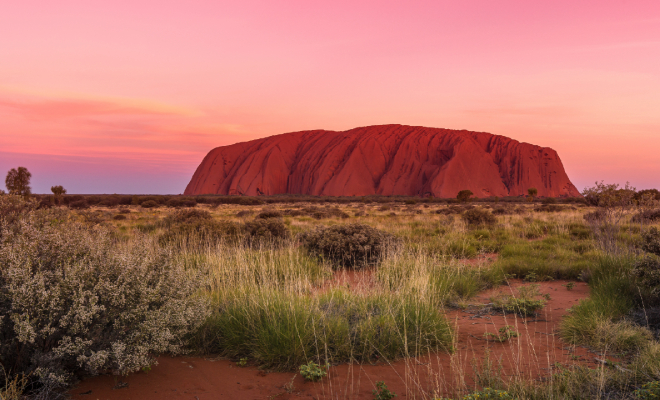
<point>597,320</point>
<point>283,330</point>
<point>269,306</point>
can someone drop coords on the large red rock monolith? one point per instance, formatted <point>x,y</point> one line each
<point>383,160</point>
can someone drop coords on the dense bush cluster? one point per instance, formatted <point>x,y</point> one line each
<point>647,270</point>
<point>647,216</point>
<point>352,245</point>
<point>479,217</point>
<point>317,212</point>
<point>260,231</point>
<point>74,301</point>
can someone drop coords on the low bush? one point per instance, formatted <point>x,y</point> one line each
<point>187,216</point>
<point>524,303</point>
<point>651,241</point>
<point>177,202</point>
<point>79,204</point>
<point>260,232</point>
<point>550,208</point>
<point>352,245</point>
<point>503,211</point>
<point>649,391</point>
<point>479,217</point>
<point>312,371</point>
<point>382,392</point>
<point>119,217</point>
<point>265,214</point>
<point>489,394</point>
<point>503,334</point>
<point>244,213</point>
<point>647,216</point>
<point>647,272</point>
<point>76,302</point>
<point>149,204</point>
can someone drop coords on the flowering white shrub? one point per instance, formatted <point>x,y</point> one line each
<point>73,300</point>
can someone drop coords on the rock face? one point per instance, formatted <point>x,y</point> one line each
<point>383,160</point>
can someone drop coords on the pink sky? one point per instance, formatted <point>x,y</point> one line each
<point>128,96</point>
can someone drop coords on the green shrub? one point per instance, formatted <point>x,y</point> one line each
<point>352,245</point>
<point>647,216</point>
<point>649,391</point>
<point>312,371</point>
<point>524,303</point>
<point>647,271</point>
<point>651,241</point>
<point>187,216</point>
<point>479,217</point>
<point>79,204</point>
<point>269,214</point>
<point>265,232</point>
<point>489,394</point>
<point>505,333</point>
<point>149,204</point>
<point>382,392</point>
<point>73,301</point>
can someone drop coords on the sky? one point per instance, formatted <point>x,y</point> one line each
<point>128,96</point>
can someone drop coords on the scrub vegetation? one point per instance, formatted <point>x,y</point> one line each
<point>104,284</point>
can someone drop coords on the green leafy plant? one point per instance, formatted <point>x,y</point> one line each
<point>489,394</point>
<point>313,372</point>
<point>242,362</point>
<point>570,285</point>
<point>523,304</point>
<point>649,391</point>
<point>382,392</point>
<point>505,333</point>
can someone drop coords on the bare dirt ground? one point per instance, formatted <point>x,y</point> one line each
<point>533,354</point>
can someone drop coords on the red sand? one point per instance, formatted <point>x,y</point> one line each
<point>384,160</point>
<point>531,355</point>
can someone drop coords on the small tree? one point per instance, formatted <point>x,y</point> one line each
<point>613,203</point>
<point>18,182</point>
<point>531,192</point>
<point>58,191</point>
<point>464,195</point>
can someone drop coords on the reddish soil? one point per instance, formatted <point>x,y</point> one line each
<point>384,160</point>
<point>531,355</point>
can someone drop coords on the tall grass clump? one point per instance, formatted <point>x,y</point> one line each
<point>282,330</point>
<point>597,321</point>
<point>443,280</point>
<point>273,305</point>
<point>74,301</point>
